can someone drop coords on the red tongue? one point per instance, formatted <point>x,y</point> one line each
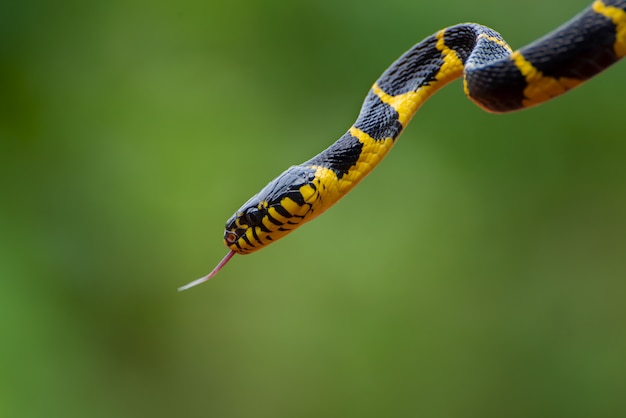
<point>211,274</point>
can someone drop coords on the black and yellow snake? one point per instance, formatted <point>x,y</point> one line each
<point>495,77</point>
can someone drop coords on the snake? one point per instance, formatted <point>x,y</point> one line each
<point>495,77</point>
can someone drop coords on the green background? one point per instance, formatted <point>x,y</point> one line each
<point>479,272</point>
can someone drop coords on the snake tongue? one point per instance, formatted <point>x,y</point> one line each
<point>211,274</point>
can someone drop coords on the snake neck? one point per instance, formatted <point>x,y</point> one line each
<point>390,105</point>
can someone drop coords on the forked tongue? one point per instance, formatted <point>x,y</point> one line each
<point>211,274</point>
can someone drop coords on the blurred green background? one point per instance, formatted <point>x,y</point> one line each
<point>479,272</point>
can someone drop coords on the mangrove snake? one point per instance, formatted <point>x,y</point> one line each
<point>494,77</point>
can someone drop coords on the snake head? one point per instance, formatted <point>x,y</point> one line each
<point>280,207</point>
<point>287,202</point>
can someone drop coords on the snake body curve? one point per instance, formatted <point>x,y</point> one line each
<point>495,77</point>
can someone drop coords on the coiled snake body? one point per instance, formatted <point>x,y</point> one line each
<point>494,77</point>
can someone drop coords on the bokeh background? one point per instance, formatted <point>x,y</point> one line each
<point>479,272</point>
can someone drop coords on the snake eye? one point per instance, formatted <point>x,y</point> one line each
<point>253,216</point>
<point>230,237</point>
